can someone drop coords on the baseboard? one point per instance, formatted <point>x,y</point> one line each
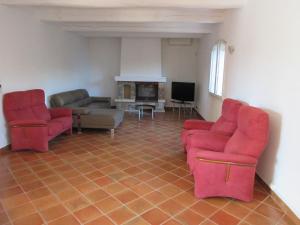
<point>201,117</point>
<point>4,149</point>
<point>279,201</point>
<point>7,147</point>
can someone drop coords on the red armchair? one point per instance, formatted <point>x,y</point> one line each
<point>31,124</point>
<point>231,173</point>
<point>225,125</point>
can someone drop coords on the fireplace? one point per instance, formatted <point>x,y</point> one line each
<point>146,91</point>
<point>132,92</point>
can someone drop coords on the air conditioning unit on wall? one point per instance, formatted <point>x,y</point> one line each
<point>180,41</point>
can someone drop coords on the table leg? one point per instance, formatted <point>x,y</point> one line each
<point>112,133</point>
<point>78,124</point>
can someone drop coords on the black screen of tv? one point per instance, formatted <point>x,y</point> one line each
<point>183,91</point>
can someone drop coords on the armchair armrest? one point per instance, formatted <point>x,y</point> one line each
<point>197,125</point>
<point>207,140</point>
<point>60,112</point>
<point>80,111</point>
<point>27,123</point>
<point>226,158</point>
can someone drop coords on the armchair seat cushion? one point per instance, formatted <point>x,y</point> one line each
<point>197,124</point>
<point>54,127</point>
<point>207,140</point>
<point>60,112</point>
<point>64,121</point>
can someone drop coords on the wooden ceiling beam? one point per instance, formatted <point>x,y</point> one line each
<point>131,15</point>
<point>140,28</point>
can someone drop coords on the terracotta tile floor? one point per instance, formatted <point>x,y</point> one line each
<point>139,177</point>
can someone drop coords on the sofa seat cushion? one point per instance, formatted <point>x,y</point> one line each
<point>99,105</point>
<point>83,103</point>
<point>65,121</point>
<point>101,118</point>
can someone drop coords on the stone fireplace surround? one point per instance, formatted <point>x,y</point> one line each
<point>126,96</point>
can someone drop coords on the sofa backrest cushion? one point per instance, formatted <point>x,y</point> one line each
<point>68,97</point>
<point>23,105</point>
<point>252,133</point>
<point>227,123</point>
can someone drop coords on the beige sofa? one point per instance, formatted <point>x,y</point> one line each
<point>89,112</point>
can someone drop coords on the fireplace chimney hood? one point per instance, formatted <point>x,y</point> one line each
<point>141,60</point>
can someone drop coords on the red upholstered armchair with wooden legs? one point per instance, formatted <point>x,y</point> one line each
<point>31,124</point>
<point>225,125</point>
<point>231,173</point>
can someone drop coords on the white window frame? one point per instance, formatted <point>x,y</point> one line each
<point>216,77</point>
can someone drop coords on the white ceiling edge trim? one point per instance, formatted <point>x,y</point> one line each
<point>137,34</point>
<point>207,4</point>
<point>141,79</point>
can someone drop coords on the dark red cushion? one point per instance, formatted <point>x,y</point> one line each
<point>252,133</point>
<point>54,128</point>
<point>66,122</point>
<point>227,123</point>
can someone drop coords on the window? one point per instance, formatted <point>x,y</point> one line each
<point>217,68</point>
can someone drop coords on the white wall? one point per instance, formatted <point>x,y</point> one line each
<point>208,105</point>
<point>36,55</point>
<point>104,59</point>
<point>264,71</point>
<point>141,57</point>
<point>179,63</point>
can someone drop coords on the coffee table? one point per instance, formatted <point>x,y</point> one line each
<point>142,107</point>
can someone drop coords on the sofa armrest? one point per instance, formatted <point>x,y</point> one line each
<point>226,158</point>
<point>60,112</point>
<point>27,123</point>
<point>207,140</point>
<point>80,111</point>
<point>197,125</point>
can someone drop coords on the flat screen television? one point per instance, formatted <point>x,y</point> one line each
<point>183,91</point>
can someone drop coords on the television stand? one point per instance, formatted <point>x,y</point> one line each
<point>182,105</point>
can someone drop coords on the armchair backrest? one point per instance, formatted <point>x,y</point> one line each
<point>252,133</point>
<point>227,123</point>
<point>25,105</point>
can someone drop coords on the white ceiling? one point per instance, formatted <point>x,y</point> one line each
<point>137,18</point>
